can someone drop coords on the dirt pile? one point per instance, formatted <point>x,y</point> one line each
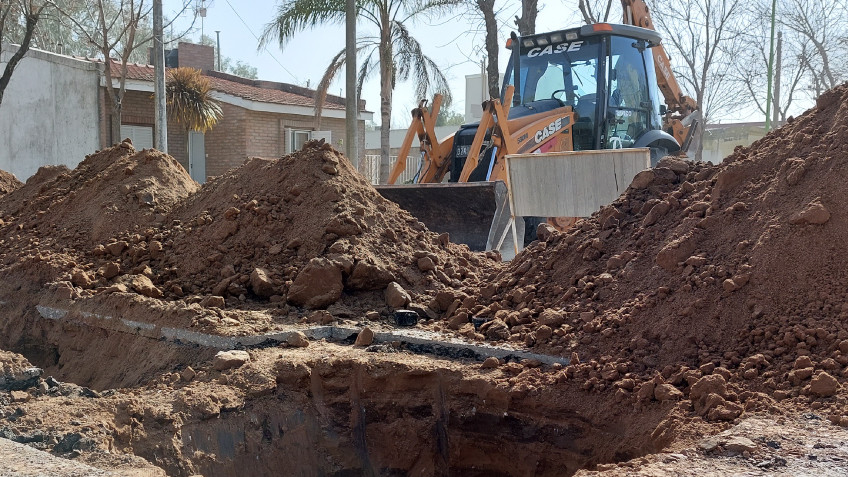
<point>305,229</point>
<point>53,222</point>
<point>708,275</point>
<point>110,191</point>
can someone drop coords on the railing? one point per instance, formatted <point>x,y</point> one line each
<point>369,167</point>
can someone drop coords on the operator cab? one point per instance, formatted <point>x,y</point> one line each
<point>605,73</point>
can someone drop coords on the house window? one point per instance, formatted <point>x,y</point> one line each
<point>296,138</point>
<point>141,136</point>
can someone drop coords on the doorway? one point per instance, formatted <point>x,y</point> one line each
<point>197,156</point>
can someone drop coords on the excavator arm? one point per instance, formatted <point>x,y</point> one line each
<point>434,153</point>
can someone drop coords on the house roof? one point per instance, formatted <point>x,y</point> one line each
<point>254,90</point>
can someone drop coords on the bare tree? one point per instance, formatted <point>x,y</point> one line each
<point>595,11</point>
<point>119,28</point>
<point>487,11</point>
<point>789,67</point>
<point>490,22</point>
<point>14,16</point>
<point>820,26</point>
<point>526,23</point>
<point>705,37</point>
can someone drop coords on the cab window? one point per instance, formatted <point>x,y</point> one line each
<point>629,106</point>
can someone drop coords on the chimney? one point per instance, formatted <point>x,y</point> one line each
<point>201,57</point>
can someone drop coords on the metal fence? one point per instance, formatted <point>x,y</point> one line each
<point>369,167</point>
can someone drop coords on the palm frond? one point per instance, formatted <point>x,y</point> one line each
<point>429,8</point>
<point>297,15</point>
<point>336,65</point>
<point>411,62</point>
<point>189,101</point>
<point>367,68</point>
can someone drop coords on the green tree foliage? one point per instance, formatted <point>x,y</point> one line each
<point>447,117</point>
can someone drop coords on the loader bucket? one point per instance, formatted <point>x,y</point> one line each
<point>465,210</point>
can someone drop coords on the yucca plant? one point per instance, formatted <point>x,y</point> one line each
<point>190,104</point>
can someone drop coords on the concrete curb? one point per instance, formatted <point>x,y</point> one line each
<point>424,341</point>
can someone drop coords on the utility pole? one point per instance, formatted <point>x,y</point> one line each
<point>770,65</point>
<point>776,113</point>
<point>351,100</point>
<point>218,41</point>
<point>160,128</point>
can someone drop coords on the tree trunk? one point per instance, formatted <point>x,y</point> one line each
<point>386,86</point>
<point>487,8</point>
<point>115,98</point>
<point>777,65</point>
<point>31,21</point>
<point>527,23</point>
<point>115,122</point>
<point>698,136</point>
<point>586,11</point>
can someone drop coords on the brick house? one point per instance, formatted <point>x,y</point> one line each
<point>260,118</point>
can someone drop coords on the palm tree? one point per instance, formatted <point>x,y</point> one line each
<point>393,51</point>
<point>189,101</point>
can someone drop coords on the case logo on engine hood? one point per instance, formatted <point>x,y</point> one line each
<point>551,129</point>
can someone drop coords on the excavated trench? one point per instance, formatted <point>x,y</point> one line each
<point>332,409</point>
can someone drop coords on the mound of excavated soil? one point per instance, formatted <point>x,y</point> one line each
<point>52,223</point>
<point>306,229</point>
<point>738,266</point>
<point>111,191</point>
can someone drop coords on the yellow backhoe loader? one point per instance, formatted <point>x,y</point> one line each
<point>590,88</point>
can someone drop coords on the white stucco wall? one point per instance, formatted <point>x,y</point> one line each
<point>49,113</point>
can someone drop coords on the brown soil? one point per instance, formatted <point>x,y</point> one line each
<point>697,269</point>
<point>704,295</point>
<point>309,208</point>
<point>330,409</point>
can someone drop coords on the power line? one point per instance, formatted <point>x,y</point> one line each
<point>257,39</point>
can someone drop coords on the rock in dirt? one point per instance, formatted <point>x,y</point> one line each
<point>365,337</point>
<point>396,296</point>
<point>495,329</point>
<point>145,286</point>
<point>643,179</point>
<point>815,214</point>
<point>230,359</point>
<point>261,284</point>
<point>297,339</point>
<point>738,445</point>
<point>824,385</point>
<point>490,363</point>
<point>545,232</point>
<point>712,384</point>
<point>667,392</point>
<point>318,285</point>
<point>675,252</point>
<point>16,373</point>
<point>19,396</point>
<point>188,374</point>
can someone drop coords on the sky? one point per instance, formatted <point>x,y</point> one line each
<point>453,42</point>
